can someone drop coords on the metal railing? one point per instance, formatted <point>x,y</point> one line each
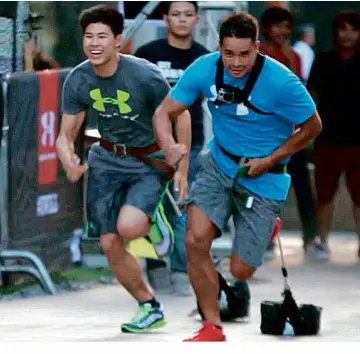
<point>9,257</point>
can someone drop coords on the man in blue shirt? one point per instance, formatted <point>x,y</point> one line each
<point>258,131</point>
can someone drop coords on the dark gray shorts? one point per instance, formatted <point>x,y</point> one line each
<point>253,227</point>
<point>114,181</point>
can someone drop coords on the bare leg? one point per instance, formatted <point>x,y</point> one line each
<point>132,224</point>
<point>201,269</point>
<point>324,219</point>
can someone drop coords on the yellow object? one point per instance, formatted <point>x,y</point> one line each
<point>141,248</point>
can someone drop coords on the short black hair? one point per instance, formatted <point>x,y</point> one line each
<point>350,17</point>
<point>239,25</point>
<point>167,5</point>
<point>102,14</point>
<point>274,15</point>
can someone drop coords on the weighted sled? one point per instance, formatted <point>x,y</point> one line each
<point>234,300</point>
<point>305,320</point>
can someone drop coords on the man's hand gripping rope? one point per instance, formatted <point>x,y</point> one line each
<point>173,156</point>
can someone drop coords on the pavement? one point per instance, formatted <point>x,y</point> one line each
<point>96,314</point>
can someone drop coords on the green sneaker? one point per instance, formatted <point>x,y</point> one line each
<point>146,319</point>
<point>161,234</point>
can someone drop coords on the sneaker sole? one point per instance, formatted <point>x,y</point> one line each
<point>130,329</point>
<point>218,340</point>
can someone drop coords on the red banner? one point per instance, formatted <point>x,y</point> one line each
<point>48,126</point>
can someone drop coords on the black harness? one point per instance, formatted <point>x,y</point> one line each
<point>227,94</point>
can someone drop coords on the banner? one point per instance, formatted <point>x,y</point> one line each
<point>48,127</point>
<point>43,204</point>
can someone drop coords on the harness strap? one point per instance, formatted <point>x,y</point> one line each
<point>241,95</point>
<point>246,200</point>
<point>141,154</point>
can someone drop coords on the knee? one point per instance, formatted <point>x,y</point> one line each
<point>196,242</point>
<point>132,223</point>
<point>240,270</point>
<point>128,230</point>
<point>107,241</point>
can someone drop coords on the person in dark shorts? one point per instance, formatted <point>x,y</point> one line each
<point>123,189</point>
<point>173,55</point>
<point>244,173</point>
<point>334,82</point>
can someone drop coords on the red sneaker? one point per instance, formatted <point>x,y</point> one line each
<point>208,333</point>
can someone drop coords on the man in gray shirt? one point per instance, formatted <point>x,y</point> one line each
<point>127,171</point>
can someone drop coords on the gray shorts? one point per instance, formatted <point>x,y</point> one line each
<point>212,193</point>
<point>114,181</point>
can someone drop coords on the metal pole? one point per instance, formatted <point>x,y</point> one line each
<point>139,20</point>
<point>4,205</point>
<point>217,5</point>
<point>173,203</point>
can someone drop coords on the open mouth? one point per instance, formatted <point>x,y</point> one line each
<point>95,54</point>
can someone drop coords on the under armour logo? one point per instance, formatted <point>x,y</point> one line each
<point>241,109</point>
<point>121,98</point>
<point>48,120</point>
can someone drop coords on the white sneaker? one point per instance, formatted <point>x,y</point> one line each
<point>318,251</point>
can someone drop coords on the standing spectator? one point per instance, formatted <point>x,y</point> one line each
<point>303,47</point>
<point>334,82</point>
<point>277,24</point>
<point>173,55</point>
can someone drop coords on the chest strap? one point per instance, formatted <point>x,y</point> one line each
<point>234,95</point>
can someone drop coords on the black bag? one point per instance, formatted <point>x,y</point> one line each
<point>234,300</point>
<point>304,319</point>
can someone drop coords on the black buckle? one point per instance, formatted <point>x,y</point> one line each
<point>225,96</point>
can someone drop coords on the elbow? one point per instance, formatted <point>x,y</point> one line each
<point>317,128</point>
<point>312,128</point>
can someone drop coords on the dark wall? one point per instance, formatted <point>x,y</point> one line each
<point>320,13</point>
<point>328,10</point>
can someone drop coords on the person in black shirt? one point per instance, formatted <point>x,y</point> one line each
<point>334,82</point>
<point>173,55</point>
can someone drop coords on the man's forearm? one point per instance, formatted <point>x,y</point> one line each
<point>65,149</point>
<point>183,134</point>
<point>163,129</point>
<point>296,142</point>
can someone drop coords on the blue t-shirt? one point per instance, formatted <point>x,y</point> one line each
<point>243,132</point>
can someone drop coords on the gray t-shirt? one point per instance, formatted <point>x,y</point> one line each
<point>123,104</point>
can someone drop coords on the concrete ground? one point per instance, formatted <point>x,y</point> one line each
<point>96,314</point>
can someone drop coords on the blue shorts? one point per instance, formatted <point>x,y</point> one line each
<point>114,181</point>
